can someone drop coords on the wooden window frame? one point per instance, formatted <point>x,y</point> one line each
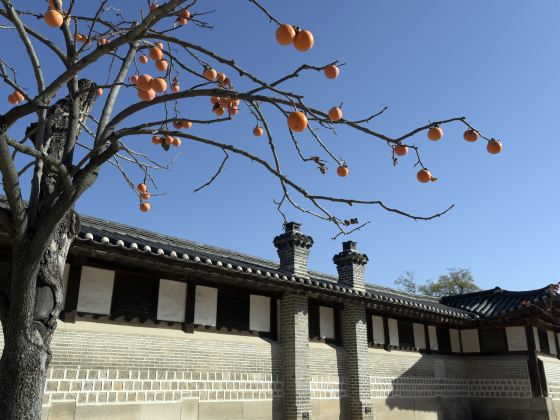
<point>482,337</point>
<point>441,349</point>
<point>312,303</point>
<point>134,277</point>
<point>541,332</point>
<point>231,293</point>
<point>401,325</point>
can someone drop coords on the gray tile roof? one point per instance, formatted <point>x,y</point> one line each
<point>478,305</point>
<point>497,301</point>
<point>115,234</point>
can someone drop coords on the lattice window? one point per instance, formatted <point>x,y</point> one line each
<point>5,277</point>
<point>313,318</point>
<point>493,340</point>
<point>543,341</point>
<point>406,334</point>
<point>369,328</point>
<point>233,309</point>
<point>443,340</point>
<point>135,295</point>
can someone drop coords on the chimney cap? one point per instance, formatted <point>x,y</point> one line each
<point>292,227</point>
<point>349,246</point>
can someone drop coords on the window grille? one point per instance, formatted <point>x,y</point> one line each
<point>406,334</point>
<point>493,340</point>
<point>443,340</point>
<point>233,309</point>
<point>543,341</point>
<point>135,295</point>
<point>313,318</point>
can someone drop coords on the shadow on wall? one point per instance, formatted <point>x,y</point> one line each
<point>408,385</point>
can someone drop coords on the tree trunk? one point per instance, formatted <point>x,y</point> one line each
<point>30,310</point>
<point>29,326</point>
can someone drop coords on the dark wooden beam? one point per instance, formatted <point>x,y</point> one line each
<point>533,364</point>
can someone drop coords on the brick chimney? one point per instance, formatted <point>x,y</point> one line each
<point>351,265</point>
<point>293,250</point>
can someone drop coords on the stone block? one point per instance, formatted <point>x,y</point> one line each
<point>219,410</point>
<point>161,411</point>
<point>113,412</point>
<point>62,411</point>
<point>189,410</point>
<point>256,409</point>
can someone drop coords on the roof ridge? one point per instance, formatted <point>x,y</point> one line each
<point>494,291</point>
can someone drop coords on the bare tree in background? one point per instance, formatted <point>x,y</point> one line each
<point>65,145</point>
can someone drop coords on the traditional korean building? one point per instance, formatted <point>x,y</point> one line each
<point>157,327</point>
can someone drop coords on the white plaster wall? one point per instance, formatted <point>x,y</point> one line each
<point>172,300</point>
<point>65,275</point>
<point>205,305</point>
<point>96,290</point>
<point>378,329</point>
<point>455,343</point>
<point>469,340</point>
<point>326,322</point>
<point>259,313</point>
<point>393,332</point>
<point>516,338</point>
<point>536,336</point>
<point>432,335</point>
<point>551,342</point>
<point>419,336</point>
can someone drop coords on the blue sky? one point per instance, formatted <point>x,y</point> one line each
<point>494,62</point>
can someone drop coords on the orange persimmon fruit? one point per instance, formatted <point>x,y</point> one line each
<point>435,133</point>
<point>210,74</point>
<point>161,65</point>
<point>494,146</point>
<point>400,150</point>
<point>156,54</point>
<point>258,131</point>
<point>297,121</point>
<point>53,18</point>
<point>342,171</point>
<point>424,176</point>
<point>470,135</point>
<point>304,41</point>
<point>158,84</point>
<point>146,95</point>
<point>285,34</point>
<point>331,71</point>
<point>335,114</point>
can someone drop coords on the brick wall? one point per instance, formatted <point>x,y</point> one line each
<point>354,339</point>
<point>327,371</point>
<point>294,336</point>
<point>552,373</point>
<point>124,365</point>
<point>406,374</point>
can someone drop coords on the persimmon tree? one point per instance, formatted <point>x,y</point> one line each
<point>65,145</point>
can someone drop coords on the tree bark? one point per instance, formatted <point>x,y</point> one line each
<point>30,311</point>
<point>34,305</point>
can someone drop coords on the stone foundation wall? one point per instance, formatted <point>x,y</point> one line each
<point>118,366</point>
<point>406,374</point>
<point>328,382</point>
<point>102,371</point>
<point>97,364</point>
<point>416,386</point>
<point>552,373</point>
